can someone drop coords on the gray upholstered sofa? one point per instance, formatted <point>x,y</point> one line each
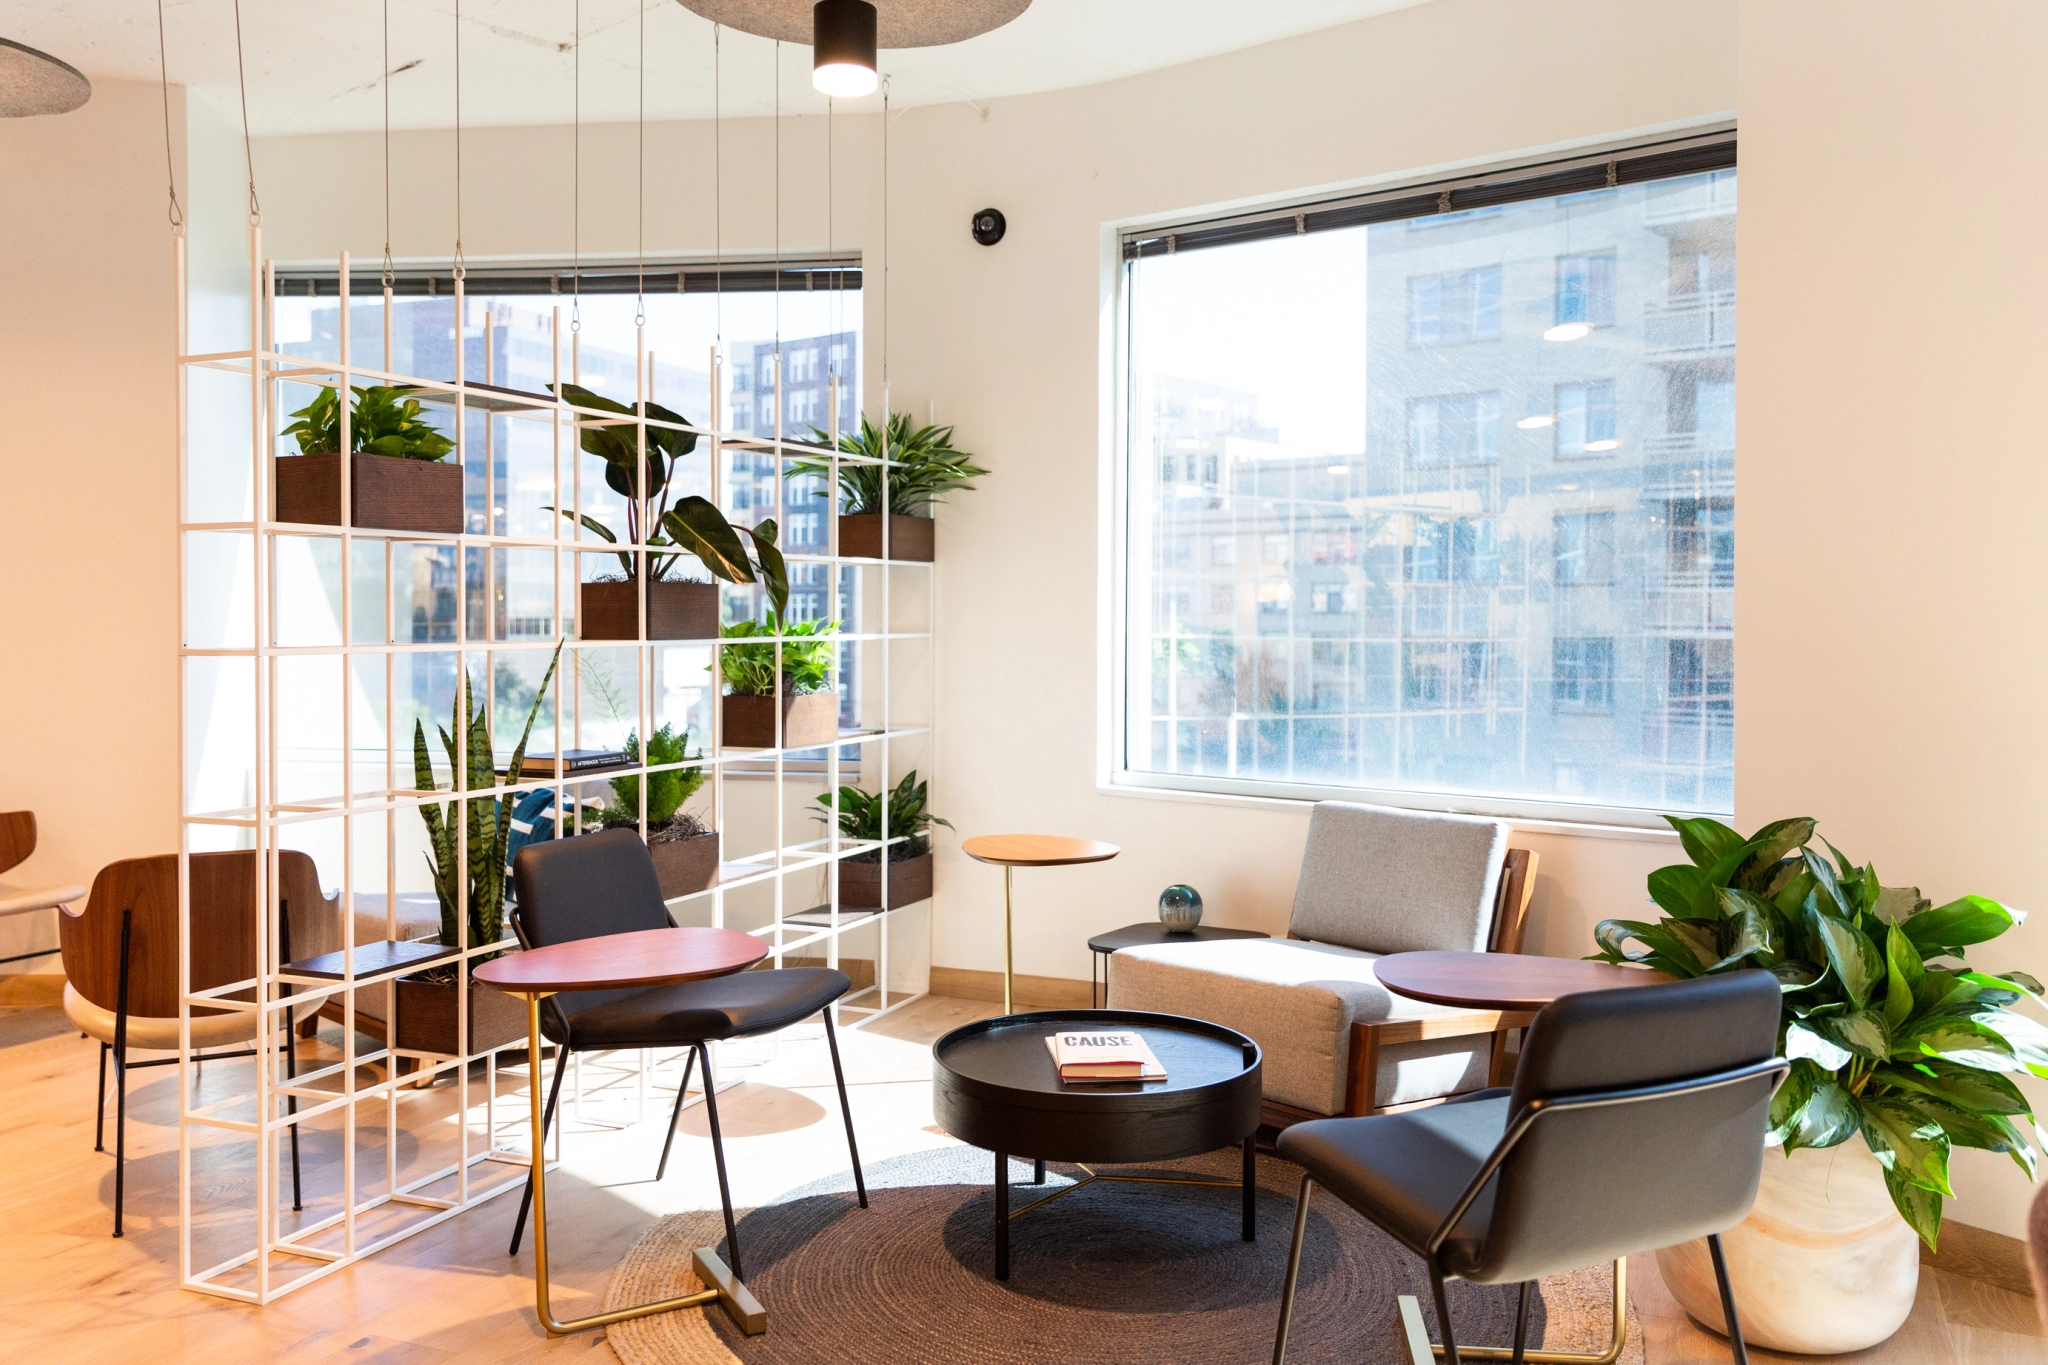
<point>1373,881</point>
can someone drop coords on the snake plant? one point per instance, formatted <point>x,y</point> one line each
<point>1891,1034</point>
<point>488,819</point>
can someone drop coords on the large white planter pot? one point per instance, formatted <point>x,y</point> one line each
<point>1823,1264</point>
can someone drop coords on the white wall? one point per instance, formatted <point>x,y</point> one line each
<point>88,519</point>
<point>1894,337</point>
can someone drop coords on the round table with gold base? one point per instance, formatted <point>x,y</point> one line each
<point>1012,851</point>
<point>650,957</point>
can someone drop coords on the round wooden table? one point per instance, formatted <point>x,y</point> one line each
<point>650,957</point>
<point>1501,981</point>
<point>1012,851</point>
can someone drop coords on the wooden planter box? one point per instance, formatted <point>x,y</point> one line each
<point>860,884</point>
<point>910,538</point>
<point>807,721</point>
<point>676,610</point>
<point>425,1018</point>
<point>386,493</point>
<point>684,866</point>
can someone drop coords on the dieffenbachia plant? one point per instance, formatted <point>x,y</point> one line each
<point>1891,1034</point>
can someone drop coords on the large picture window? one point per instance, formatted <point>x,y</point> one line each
<point>1432,496</point>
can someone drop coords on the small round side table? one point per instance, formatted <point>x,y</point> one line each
<point>648,957</point>
<point>1012,851</point>
<point>1138,935</point>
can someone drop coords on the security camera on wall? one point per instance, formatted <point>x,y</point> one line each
<point>989,226</point>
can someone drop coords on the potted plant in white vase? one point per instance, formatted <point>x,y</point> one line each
<point>1900,1053</point>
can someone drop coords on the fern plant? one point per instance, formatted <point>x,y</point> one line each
<point>381,422</point>
<point>666,790</point>
<point>924,467</point>
<point>487,820</point>
<point>860,817</point>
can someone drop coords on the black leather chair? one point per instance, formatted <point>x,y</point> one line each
<point>1508,1185</point>
<point>599,884</point>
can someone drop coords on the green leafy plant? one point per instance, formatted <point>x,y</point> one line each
<point>666,791</point>
<point>926,467</point>
<point>382,422</point>
<point>698,526</point>
<point>860,817</point>
<point>806,656</point>
<point>488,819</point>
<point>619,447</point>
<point>1890,1032</point>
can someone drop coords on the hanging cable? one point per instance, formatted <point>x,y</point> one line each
<point>248,156</point>
<point>163,67</point>
<point>778,222</point>
<point>389,273</point>
<point>640,153</point>
<point>717,190</point>
<point>576,177</point>
<point>885,249</point>
<point>458,144</point>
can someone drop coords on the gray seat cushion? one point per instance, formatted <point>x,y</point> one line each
<point>1298,1002</point>
<point>1406,1171</point>
<point>735,1006</point>
<point>1393,881</point>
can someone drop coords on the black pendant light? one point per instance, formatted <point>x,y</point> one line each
<point>843,48</point>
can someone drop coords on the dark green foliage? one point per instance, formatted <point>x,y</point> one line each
<point>619,447</point>
<point>860,816</point>
<point>666,791</point>
<point>699,527</point>
<point>806,660</point>
<point>1890,1032</point>
<point>926,466</point>
<point>489,819</point>
<point>382,423</point>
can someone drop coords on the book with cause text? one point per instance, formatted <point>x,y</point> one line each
<point>1103,1055</point>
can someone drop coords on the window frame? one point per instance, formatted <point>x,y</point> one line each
<point>1458,192</point>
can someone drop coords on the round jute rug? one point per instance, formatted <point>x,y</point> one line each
<point>1115,1274</point>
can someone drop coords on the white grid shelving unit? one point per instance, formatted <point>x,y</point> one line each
<point>357,799</point>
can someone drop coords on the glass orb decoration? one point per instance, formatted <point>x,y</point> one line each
<point>1180,908</point>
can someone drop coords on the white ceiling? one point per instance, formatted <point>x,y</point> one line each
<point>314,67</point>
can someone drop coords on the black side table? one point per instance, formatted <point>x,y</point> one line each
<point>1137,935</point>
<point>994,1087</point>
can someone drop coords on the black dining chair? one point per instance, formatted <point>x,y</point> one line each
<point>1508,1185</point>
<point>600,884</point>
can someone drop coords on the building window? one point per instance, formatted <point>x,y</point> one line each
<point>1394,591</point>
<point>1585,548</point>
<point>1585,420</point>
<point>1462,428</point>
<point>1585,290</point>
<point>1445,310</point>
<point>1582,674</point>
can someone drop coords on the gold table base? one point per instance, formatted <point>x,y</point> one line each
<point>724,1287</point>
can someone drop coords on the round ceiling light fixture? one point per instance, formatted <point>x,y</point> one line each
<point>33,82</point>
<point>843,49</point>
<point>886,23</point>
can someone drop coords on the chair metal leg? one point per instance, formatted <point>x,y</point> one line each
<point>860,1183</point>
<point>1443,1315</point>
<point>682,1092</point>
<point>1522,1322</point>
<point>732,1234</point>
<point>99,1123</point>
<point>291,1044</point>
<point>1734,1323</point>
<point>1308,1185</point>
<point>121,1075</point>
<point>540,1146</point>
<point>1420,1347</point>
<point>1038,1171</point>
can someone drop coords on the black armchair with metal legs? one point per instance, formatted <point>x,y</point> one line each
<point>599,884</point>
<point>1508,1185</point>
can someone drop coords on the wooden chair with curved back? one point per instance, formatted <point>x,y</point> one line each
<point>121,965</point>
<point>17,842</point>
<point>17,837</point>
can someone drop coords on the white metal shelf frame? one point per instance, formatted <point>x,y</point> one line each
<point>334,1239</point>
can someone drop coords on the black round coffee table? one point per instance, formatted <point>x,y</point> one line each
<point>994,1086</point>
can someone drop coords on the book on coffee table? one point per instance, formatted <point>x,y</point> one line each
<point>1103,1055</point>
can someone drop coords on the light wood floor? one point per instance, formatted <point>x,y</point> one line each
<point>451,1293</point>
